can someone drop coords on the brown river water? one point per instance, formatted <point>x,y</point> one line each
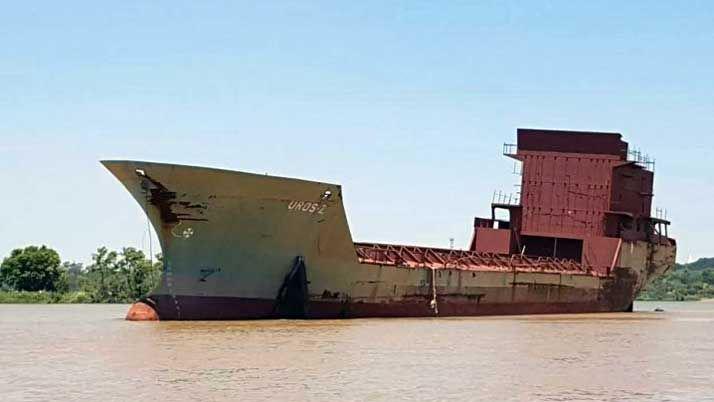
<point>88,352</point>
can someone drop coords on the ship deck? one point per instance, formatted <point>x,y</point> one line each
<point>439,258</point>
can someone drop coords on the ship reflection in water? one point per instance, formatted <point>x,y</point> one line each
<point>72,352</point>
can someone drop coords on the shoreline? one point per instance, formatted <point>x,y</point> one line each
<point>80,297</point>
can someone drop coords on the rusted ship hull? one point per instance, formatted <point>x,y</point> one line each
<point>458,293</point>
<point>233,308</point>
<point>245,246</point>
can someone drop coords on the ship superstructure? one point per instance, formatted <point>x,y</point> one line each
<point>579,237</point>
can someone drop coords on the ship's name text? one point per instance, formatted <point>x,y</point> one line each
<point>307,206</point>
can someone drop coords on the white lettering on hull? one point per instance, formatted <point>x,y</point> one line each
<point>307,207</point>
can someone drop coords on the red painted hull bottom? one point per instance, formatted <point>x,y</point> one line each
<point>234,308</point>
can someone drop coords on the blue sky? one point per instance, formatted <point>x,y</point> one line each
<point>406,104</point>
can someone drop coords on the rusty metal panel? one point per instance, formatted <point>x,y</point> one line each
<point>632,190</point>
<point>565,193</point>
<point>586,142</point>
<point>489,240</point>
<point>601,253</point>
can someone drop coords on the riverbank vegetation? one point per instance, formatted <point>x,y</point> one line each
<point>37,275</point>
<point>693,281</point>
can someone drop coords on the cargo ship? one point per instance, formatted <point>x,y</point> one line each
<point>579,237</point>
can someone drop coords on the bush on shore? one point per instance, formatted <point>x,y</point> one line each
<point>28,297</point>
<point>686,282</point>
<point>113,277</point>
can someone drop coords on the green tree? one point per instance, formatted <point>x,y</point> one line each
<point>120,277</point>
<point>31,269</point>
<point>708,277</point>
<point>101,274</point>
<point>138,272</point>
<point>692,281</point>
<point>74,273</point>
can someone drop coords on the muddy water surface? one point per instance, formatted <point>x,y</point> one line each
<point>87,352</point>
